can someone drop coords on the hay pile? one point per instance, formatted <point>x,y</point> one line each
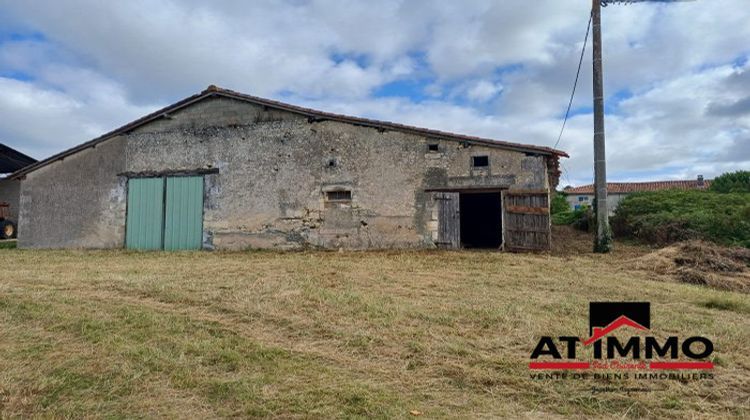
<point>699,262</point>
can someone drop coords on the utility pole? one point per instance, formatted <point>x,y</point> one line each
<point>603,240</point>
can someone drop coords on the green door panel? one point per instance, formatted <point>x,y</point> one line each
<point>145,220</point>
<point>183,224</point>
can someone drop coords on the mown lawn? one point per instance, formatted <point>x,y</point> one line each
<point>325,334</point>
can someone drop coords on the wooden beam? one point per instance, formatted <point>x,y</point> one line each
<point>527,210</point>
<point>528,230</point>
<point>527,192</point>
<point>178,172</point>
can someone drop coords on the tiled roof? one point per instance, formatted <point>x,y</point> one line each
<point>214,91</point>
<point>631,187</point>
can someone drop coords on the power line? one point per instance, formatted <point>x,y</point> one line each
<point>575,84</point>
<point>566,173</point>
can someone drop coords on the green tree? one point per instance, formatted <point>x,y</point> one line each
<point>559,203</point>
<point>732,182</point>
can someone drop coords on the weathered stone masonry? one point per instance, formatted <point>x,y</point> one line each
<point>271,171</point>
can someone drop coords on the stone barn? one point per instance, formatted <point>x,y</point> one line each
<point>225,170</point>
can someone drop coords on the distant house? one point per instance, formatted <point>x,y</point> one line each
<point>616,191</point>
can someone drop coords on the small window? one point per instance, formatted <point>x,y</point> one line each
<point>480,161</point>
<point>432,147</point>
<point>339,195</point>
<point>583,198</point>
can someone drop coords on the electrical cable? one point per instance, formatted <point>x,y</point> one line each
<point>575,84</point>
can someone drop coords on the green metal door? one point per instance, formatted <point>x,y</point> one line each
<point>183,224</point>
<point>145,220</point>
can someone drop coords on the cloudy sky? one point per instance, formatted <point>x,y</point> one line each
<point>677,76</point>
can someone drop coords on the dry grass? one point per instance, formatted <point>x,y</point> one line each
<point>353,334</point>
<point>702,263</point>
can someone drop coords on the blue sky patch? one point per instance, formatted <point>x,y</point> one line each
<point>412,89</point>
<point>20,37</point>
<point>17,75</point>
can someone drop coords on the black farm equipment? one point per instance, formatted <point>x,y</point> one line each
<point>8,229</point>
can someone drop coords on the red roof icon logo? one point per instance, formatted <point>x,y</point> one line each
<point>622,321</point>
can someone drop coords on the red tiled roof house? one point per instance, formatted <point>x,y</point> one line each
<point>616,191</point>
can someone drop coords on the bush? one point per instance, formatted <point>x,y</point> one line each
<point>559,204</point>
<point>732,182</point>
<point>670,216</point>
<point>579,218</point>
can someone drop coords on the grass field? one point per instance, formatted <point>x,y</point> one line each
<point>327,334</point>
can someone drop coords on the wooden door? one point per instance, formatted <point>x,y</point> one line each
<point>526,220</point>
<point>449,219</point>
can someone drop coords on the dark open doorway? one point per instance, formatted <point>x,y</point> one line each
<point>481,220</point>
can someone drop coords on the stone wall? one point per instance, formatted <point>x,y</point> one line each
<point>275,172</point>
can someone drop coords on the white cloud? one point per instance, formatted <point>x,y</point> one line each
<point>496,69</point>
<point>483,91</point>
<point>41,122</point>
